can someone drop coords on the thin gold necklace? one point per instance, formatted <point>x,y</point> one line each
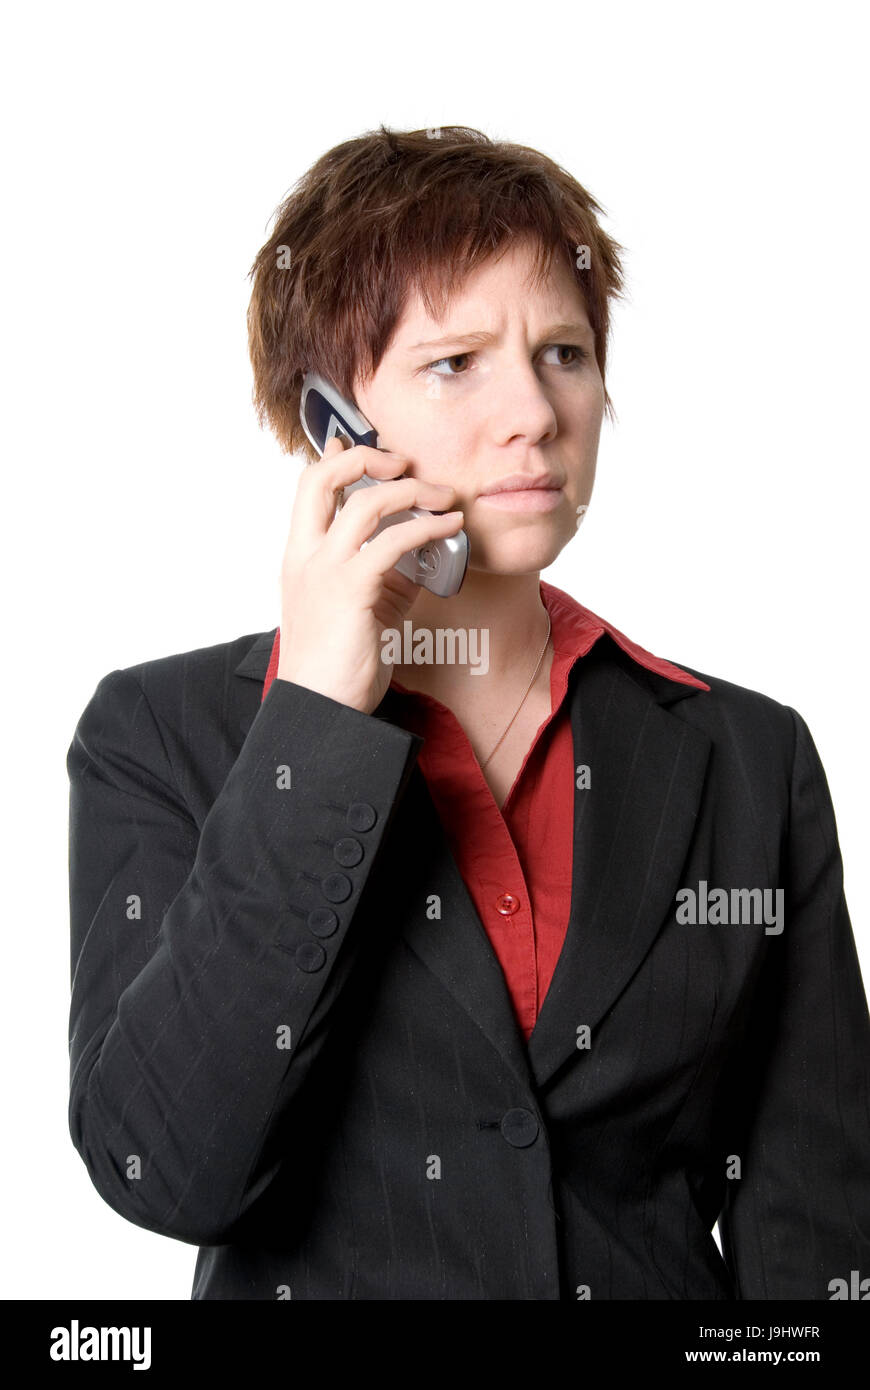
<point>523,700</point>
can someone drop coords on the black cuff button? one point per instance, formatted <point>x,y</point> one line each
<point>322,921</point>
<point>336,888</point>
<point>348,851</point>
<point>361,816</point>
<point>310,956</point>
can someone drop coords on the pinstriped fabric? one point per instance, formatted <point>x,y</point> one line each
<point>284,1058</point>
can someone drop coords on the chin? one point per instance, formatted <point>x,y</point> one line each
<point>520,553</point>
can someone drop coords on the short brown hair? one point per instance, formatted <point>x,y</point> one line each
<point>389,212</point>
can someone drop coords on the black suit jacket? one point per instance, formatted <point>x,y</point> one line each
<point>292,1044</point>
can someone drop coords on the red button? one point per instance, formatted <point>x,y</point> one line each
<point>507,904</point>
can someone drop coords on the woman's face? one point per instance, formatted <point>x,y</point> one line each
<point>511,386</point>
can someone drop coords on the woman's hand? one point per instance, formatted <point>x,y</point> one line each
<point>336,599</point>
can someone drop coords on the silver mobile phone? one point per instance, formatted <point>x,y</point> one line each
<point>438,565</point>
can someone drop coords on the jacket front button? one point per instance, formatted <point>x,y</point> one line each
<point>520,1128</point>
<point>336,887</point>
<point>310,956</point>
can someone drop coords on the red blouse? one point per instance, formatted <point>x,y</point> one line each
<point>516,862</point>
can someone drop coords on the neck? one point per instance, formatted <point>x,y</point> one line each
<point>508,615</point>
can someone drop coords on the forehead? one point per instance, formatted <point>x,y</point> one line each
<point>508,283</point>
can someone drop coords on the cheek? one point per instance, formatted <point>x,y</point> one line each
<point>588,412</point>
<point>442,449</point>
<point>411,419</point>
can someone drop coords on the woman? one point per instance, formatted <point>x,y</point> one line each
<point>399,979</point>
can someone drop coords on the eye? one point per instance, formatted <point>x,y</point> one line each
<point>457,357</point>
<point>580,353</point>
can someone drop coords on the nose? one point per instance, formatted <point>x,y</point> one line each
<point>522,410</point>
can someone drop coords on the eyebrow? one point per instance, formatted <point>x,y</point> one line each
<point>480,339</point>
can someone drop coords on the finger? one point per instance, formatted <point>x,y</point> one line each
<point>364,508</point>
<point>321,484</point>
<point>385,551</point>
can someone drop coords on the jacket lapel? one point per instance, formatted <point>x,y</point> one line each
<point>455,945</point>
<point>632,829</point>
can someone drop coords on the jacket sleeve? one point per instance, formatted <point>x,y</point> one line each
<point>798,1217</point>
<point>206,963</point>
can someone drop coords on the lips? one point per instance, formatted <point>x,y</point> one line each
<point>518,482</point>
<point>528,499</point>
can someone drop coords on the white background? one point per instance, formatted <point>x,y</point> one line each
<point>146,149</point>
